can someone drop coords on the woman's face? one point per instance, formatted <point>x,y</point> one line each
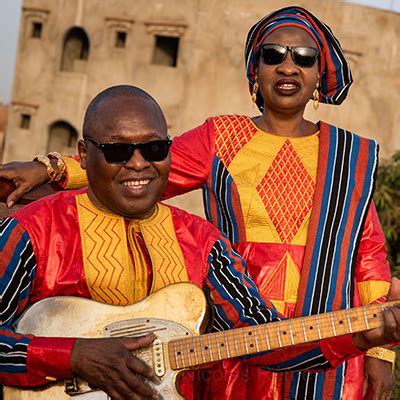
<point>287,87</point>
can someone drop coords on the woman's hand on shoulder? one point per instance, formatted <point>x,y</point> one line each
<point>25,176</point>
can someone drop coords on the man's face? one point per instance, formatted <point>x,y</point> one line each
<point>130,189</point>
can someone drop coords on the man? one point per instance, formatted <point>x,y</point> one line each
<point>97,243</point>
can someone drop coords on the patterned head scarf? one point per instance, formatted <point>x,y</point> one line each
<point>335,74</point>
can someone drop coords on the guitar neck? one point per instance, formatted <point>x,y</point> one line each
<point>198,350</point>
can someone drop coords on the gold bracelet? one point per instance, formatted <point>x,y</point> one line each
<point>382,354</point>
<point>60,165</point>
<point>51,172</point>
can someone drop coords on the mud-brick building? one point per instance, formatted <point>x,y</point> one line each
<point>189,55</point>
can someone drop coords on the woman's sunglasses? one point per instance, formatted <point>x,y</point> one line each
<point>121,153</point>
<point>303,56</point>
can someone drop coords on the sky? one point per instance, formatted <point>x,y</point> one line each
<point>9,22</point>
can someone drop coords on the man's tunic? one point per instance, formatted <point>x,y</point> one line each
<point>64,245</point>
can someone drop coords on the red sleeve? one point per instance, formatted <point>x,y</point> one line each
<point>50,357</point>
<point>192,154</point>
<point>372,269</point>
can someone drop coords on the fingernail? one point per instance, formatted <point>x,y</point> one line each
<point>10,204</point>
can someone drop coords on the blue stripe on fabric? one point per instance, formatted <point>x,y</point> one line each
<point>342,227</point>
<point>13,369</point>
<point>319,387</point>
<point>12,341</point>
<point>216,187</point>
<point>353,165</point>
<point>14,260</point>
<point>322,220</point>
<point>207,203</point>
<point>6,234</point>
<point>337,391</point>
<point>302,358</point>
<point>222,292</point>
<point>295,382</point>
<point>253,292</point>
<point>338,66</point>
<point>232,217</point>
<point>214,181</point>
<point>368,182</point>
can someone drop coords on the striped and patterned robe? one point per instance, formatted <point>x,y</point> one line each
<point>343,260</point>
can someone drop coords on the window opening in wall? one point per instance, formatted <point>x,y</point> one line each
<point>25,122</point>
<point>37,30</point>
<point>62,138</point>
<point>120,39</point>
<point>166,50</point>
<point>75,51</point>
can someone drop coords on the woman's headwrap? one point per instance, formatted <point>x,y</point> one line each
<point>335,74</point>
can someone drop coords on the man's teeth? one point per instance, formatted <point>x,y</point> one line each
<point>136,183</point>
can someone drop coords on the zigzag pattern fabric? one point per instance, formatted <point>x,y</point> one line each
<point>111,275</point>
<point>334,69</point>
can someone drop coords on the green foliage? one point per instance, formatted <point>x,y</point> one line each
<point>387,200</point>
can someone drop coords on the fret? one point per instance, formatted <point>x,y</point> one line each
<point>267,338</point>
<point>313,333</point>
<point>180,352</point>
<point>304,329</point>
<point>318,328</point>
<point>202,349</point>
<point>333,324</point>
<point>279,336</point>
<point>189,352</point>
<point>348,321</point>
<point>255,339</point>
<point>291,332</point>
<point>218,349</point>
<point>341,329</point>
<point>235,342</point>
<point>227,345</point>
<point>365,317</point>
<point>175,353</point>
<point>245,340</point>
<point>210,348</point>
<point>195,351</point>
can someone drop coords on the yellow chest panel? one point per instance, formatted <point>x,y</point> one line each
<point>112,274</point>
<point>275,177</point>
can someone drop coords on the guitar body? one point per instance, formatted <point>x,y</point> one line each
<point>175,311</point>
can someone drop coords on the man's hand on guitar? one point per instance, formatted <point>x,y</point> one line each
<point>25,175</point>
<point>387,333</point>
<point>109,365</point>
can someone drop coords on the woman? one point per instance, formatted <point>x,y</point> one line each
<point>294,198</point>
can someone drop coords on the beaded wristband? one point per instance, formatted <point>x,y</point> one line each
<point>51,172</point>
<point>60,165</point>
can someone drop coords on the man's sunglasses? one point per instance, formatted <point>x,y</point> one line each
<point>303,56</point>
<point>121,153</point>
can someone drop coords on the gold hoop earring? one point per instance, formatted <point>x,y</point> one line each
<point>254,93</point>
<point>316,97</point>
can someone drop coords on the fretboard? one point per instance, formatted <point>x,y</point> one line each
<point>192,351</point>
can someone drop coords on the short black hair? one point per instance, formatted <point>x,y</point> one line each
<point>112,93</point>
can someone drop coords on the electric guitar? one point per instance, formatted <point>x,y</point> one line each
<point>175,314</point>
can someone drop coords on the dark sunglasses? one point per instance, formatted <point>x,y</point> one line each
<point>303,56</point>
<point>121,153</point>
